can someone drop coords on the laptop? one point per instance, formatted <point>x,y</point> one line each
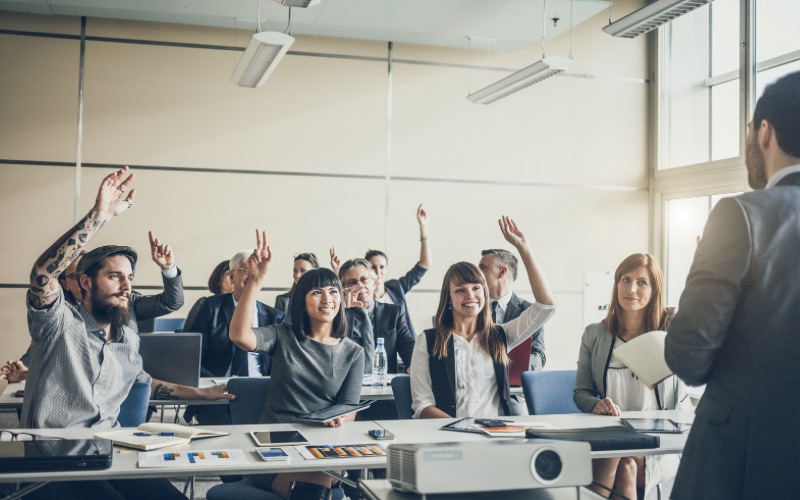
<point>172,357</point>
<point>520,358</point>
<point>55,455</point>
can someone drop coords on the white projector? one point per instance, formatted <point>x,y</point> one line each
<point>489,466</point>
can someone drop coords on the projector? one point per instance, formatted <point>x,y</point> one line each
<point>488,466</point>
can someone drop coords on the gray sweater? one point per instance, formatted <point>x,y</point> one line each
<point>306,375</point>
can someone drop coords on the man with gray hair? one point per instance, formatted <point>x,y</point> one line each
<point>221,357</point>
<point>499,267</point>
<point>368,319</point>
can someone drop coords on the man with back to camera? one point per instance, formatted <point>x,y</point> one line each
<point>142,308</point>
<point>85,358</point>
<point>220,357</point>
<point>499,267</point>
<point>368,319</point>
<point>738,321</point>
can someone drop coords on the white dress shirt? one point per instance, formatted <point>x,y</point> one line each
<point>477,394</point>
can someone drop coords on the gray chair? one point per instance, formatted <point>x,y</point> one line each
<point>401,389</point>
<point>133,411</point>
<point>549,392</point>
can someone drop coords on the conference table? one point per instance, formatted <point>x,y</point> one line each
<point>124,465</point>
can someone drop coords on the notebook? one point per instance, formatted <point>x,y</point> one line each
<point>520,358</point>
<point>172,357</point>
<point>55,455</point>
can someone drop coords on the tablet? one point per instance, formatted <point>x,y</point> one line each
<point>658,425</point>
<point>278,438</point>
<point>334,411</point>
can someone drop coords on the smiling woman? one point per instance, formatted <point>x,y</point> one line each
<point>465,331</point>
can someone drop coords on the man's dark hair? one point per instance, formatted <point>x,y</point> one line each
<point>780,106</point>
<point>316,278</point>
<point>503,258</point>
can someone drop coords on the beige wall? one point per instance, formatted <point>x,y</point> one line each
<point>553,144</point>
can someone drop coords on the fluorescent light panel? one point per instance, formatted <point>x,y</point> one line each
<point>651,16</point>
<point>535,73</point>
<point>262,55</point>
<point>298,3</point>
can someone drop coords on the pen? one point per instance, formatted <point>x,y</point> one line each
<point>145,434</point>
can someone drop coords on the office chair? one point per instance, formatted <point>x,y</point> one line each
<point>549,392</point>
<point>168,324</point>
<point>251,396</point>
<point>401,389</point>
<point>133,411</point>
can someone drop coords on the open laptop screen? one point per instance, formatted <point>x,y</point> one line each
<point>172,357</point>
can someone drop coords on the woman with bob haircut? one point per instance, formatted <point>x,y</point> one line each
<point>314,365</point>
<point>303,263</point>
<point>460,368</point>
<point>605,386</point>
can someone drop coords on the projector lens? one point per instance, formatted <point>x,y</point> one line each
<point>547,465</point>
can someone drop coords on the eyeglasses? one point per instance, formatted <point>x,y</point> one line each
<point>364,281</point>
<point>16,436</point>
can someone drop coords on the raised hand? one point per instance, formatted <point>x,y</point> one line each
<point>336,261</point>
<point>511,232</point>
<point>422,216</point>
<point>111,197</point>
<point>259,261</point>
<point>161,253</point>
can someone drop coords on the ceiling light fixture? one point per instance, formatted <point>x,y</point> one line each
<point>262,55</point>
<point>651,16</point>
<point>535,73</point>
<point>302,4</point>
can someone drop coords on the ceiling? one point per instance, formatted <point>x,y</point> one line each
<point>476,24</point>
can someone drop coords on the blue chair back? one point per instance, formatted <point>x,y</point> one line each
<point>133,411</point>
<point>549,392</point>
<point>251,397</point>
<point>168,324</point>
<point>401,389</point>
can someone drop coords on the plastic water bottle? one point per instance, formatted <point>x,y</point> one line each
<point>379,365</point>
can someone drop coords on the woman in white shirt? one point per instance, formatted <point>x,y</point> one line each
<point>605,386</point>
<point>460,368</point>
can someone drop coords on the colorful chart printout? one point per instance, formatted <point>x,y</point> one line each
<point>192,458</point>
<point>316,452</point>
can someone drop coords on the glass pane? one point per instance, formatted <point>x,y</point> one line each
<point>764,78</point>
<point>725,120</point>
<point>701,101</point>
<point>686,218</point>
<point>776,25</point>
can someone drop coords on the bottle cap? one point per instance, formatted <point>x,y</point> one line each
<point>379,341</point>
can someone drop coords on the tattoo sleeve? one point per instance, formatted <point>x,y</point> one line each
<point>44,275</point>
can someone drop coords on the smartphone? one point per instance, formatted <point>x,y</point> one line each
<point>380,434</point>
<point>20,393</point>
<point>272,454</point>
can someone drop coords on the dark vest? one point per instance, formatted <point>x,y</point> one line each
<point>443,376</point>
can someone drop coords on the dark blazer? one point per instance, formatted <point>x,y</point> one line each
<point>397,289</point>
<point>736,330</point>
<point>145,308</point>
<point>213,321</point>
<point>389,324</point>
<point>443,376</point>
<point>517,306</point>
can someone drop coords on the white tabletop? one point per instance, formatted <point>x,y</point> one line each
<point>429,430</point>
<point>124,462</point>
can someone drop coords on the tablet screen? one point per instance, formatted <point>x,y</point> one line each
<point>272,438</point>
<point>335,411</point>
<point>663,425</point>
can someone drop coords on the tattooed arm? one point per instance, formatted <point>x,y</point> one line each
<point>111,201</point>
